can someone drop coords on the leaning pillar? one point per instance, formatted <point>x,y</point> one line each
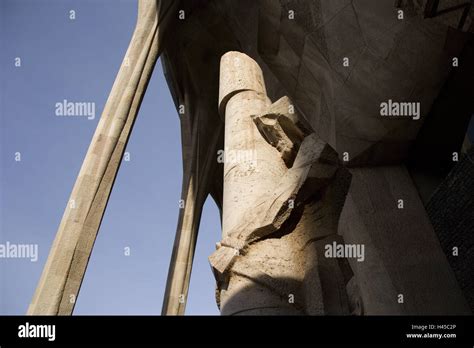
<point>65,267</point>
<point>284,190</point>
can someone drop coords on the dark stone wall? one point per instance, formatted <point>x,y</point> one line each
<point>451,210</point>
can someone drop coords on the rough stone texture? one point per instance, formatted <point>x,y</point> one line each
<point>277,215</point>
<point>403,254</point>
<point>451,210</point>
<point>338,106</point>
<point>389,58</point>
<point>405,60</point>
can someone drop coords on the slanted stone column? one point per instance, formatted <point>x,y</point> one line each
<point>283,193</point>
<point>197,177</point>
<point>62,276</point>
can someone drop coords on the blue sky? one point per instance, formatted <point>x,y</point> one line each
<point>77,60</point>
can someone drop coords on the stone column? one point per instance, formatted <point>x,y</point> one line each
<point>197,176</point>
<point>251,165</point>
<point>283,192</point>
<point>62,276</point>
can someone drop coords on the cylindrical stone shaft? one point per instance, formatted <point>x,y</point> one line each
<point>251,165</point>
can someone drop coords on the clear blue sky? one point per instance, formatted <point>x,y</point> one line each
<point>77,60</point>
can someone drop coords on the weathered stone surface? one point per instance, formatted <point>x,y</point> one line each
<point>267,257</point>
<point>403,254</point>
<point>271,249</point>
<point>451,211</point>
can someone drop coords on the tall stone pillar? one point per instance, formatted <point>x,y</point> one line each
<point>197,170</point>
<point>283,192</point>
<point>65,267</point>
